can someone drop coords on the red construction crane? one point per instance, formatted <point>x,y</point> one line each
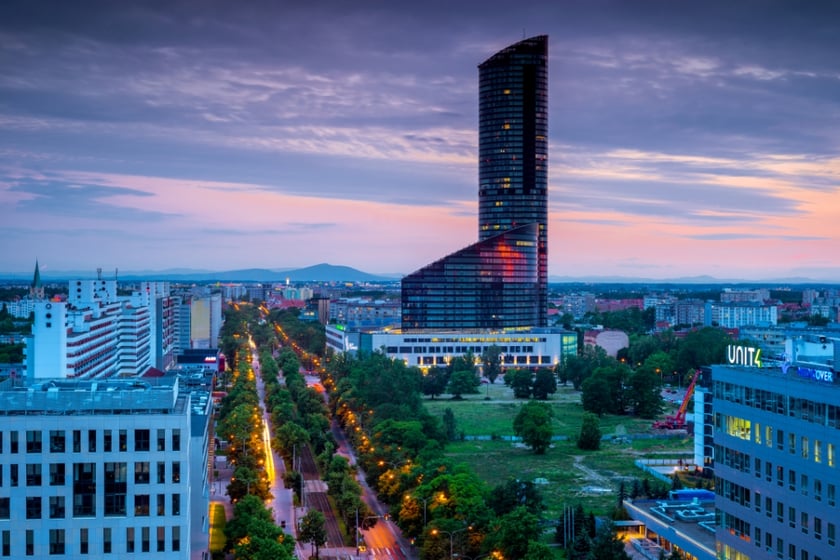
<point>677,421</point>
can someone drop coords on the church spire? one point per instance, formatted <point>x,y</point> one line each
<point>36,290</point>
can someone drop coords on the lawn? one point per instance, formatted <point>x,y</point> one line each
<point>571,476</point>
<point>476,415</point>
<point>217,527</point>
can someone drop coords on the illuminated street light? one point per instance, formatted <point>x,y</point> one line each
<point>451,537</point>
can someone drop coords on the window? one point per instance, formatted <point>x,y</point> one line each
<point>757,467</point>
<point>176,472</point>
<point>84,489</point>
<point>803,484</point>
<point>92,441</point>
<point>57,474</point>
<point>141,505</point>
<point>792,517</point>
<point>6,545</point>
<point>161,504</point>
<point>13,474</point>
<point>1,442</point>
<point>818,489</point>
<point>123,440</point>
<point>792,443</point>
<point>176,539</point>
<point>33,507</point>
<point>83,540</point>
<point>57,441</point>
<point>129,539</point>
<point>792,479</point>
<point>817,451</point>
<point>30,542</point>
<point>161,539</point>
<point>780,512</point>
<point>5,508</point>
<point>768,436</point>
<point>144,539</point>
<point>161,472</point>
<point>33,441</point>
<point>791,552</point>
<point>780,440</point>
<point>176,440</point>
<point>77,441</point>
<point>780,475</point>
<point>33,474</point>
<point>176,504</point>
<point>768,506</point>
<point>161,440</point>
<point>832,491</point>
<point>106,540</point>
<point>141,472</point>
<point>804,447</point>
<point>818,528</point>
<point>56,541</point>
<point>141,440</point>
<point>107,441</point>
<point>116,488</point>
<point>57,508</point>
<point>831,533</point>
<point>803,522</point>
<point>757,538</point>
<point>13,442</point>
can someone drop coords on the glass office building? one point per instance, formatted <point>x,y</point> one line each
<point>491,284</point>
<point>501,281</point>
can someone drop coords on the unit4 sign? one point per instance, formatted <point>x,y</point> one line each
<point>743,355</point>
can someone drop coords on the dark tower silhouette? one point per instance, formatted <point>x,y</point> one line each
<point>513,146</point>
<point>501,281</point>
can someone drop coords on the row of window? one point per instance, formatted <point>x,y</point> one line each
<point>57,544</point>
<point>115,506</point>
<point>815,412</point>
<point>114,473</point>
<point>741,529</point>
<point>808,448</point>
<point>58,440</point>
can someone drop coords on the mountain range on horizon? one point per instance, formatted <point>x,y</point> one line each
<point>325,272</point>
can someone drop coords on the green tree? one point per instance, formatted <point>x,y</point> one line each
<point>463,382</point>
<point>533,425</point>
<point>538,551</point>
<point>313,529</point>
<point>514,532</point>
<point>595,395</point>
<point>701,348</point>
<point>606,545</point>
<point>449,426</point>
<point>435,381</point>
<point>522,383</point>
<point>515,493</point>
<point>491,359</point>
<point>645,393</point>
<point>590,432</point>
<point>545,383</point>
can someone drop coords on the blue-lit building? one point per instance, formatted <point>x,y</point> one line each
<point>500,281</point>
<point>776,437</point>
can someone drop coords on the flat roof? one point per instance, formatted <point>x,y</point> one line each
<point>689,524</point>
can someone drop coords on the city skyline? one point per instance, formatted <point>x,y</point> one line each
<point>683,141</point>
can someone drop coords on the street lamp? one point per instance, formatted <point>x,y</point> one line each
<point>425,501</point>
<point>451,538</point>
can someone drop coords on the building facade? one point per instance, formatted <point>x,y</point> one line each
<point>103,469</point>
<point>500,281</point>
<point>776,441</point>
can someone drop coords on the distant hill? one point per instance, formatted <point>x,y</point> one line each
<point>318,273</point>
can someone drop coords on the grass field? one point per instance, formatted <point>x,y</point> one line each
<point>572,476</point>
<point>217,527</point>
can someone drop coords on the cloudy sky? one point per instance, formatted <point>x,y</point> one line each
<point>686,138</point>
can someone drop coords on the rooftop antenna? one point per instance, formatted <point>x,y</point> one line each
<point>99,273</point>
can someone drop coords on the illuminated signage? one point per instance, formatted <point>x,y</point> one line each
<point>743,356</point>
<point>816,374</point>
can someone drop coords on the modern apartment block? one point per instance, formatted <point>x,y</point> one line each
<point>97,333</point>
<point>500,281</point>
<point>776,439</point>
<point>99,469</point>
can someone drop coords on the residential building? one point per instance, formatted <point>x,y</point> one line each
<point>736,315</point>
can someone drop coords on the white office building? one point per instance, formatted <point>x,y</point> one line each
<point>98,469</point>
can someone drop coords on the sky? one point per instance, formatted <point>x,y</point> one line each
<point>685,138</point>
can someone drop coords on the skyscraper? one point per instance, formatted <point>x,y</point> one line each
<point>513,146</point>
<point>501,281</point>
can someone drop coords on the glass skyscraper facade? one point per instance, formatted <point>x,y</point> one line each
<point>501,281</point>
